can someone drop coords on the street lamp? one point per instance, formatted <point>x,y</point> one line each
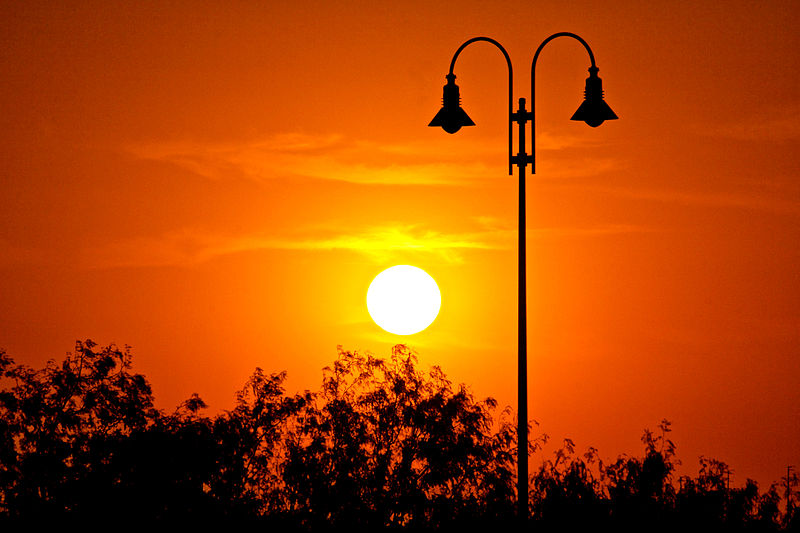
<point>451,118</point>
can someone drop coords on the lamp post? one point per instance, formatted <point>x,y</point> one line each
<point>451,118</point>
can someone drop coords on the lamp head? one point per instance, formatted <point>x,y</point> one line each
<point>594,110</point>
<point>451,117</point>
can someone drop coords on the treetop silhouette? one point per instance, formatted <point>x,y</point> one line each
<point>380,445</point>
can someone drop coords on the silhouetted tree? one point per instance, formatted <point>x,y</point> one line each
<point>160,471</point>
<point>640,489</point>
<point>251,442</point>
<point>381,445</point>
<point>567,491</point>
<point>790,484</point>
<point>56,419</point>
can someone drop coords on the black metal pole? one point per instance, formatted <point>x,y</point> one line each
<point>521,160</point>
<point>521,117</point>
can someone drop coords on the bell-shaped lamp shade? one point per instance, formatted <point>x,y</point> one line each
<point>594,110</point>
<point>451,117</point>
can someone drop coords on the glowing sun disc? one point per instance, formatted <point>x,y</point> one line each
<point>403,300</point>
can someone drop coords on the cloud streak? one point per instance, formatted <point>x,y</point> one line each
<point>186,247</point>
<point>733,200</point>
<point>774,125</point>
<point>334,157</point>
<point>12,254</point>
<point>324,157</point>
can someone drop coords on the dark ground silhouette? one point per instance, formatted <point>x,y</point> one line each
<point>381,445</point>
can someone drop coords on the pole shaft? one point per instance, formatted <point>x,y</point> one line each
<point>522,329</point>
<point>522,160</point>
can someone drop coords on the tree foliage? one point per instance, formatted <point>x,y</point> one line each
<point>384,444</point>
<point>381,445</point>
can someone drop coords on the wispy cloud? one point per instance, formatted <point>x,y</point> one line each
<point>776,125</point>
<point>191,247</point>
<point>12,254</point>
<point>324,157</point>
<point>735,200</point>
<point>549,141</point>
<point>187,247</point>
<point>575,167</point>
<point>334,157</point>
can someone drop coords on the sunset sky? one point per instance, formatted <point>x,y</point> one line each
<point>215,184</point>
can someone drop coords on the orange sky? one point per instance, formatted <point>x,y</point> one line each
<point>216,184</point>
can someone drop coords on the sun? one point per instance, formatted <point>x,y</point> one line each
<point>403,300</point>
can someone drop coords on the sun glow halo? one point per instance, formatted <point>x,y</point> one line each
<point>403,300</point>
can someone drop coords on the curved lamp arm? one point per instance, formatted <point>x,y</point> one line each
<point>510,82</point>
<point>533,84</point>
